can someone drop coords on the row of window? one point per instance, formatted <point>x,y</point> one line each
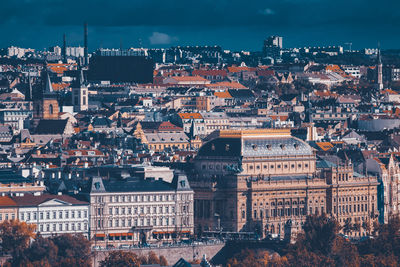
<point>345,209</point>
<point>137,198</point>
<point>63,227</point>
<point>7,216</point>
<point>355,198</point>
<point>140,210</point>
<point>141,222</point>
<point>53,215</point>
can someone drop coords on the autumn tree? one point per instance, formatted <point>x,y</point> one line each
<point>15,236</point>
<point>163,261</point>
<point>319,233</point>
<point>73,250</point>
<point>121,259</point>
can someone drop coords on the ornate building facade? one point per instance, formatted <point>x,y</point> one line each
<point>264,181</point>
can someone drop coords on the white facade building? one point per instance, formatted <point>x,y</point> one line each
<point>54,214</point>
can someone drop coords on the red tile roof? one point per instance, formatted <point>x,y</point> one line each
<point>31,200</point>
<point>7,202</point>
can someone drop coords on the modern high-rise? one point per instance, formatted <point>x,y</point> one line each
<point>272,46</point>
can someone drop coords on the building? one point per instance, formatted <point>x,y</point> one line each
<point>54,214</point>
<point>46,107</point>
<point>352,198</point>
<point>80,95</point>
<point>265,181</point>
<point>8,209</point>
<point>272,47</point>
<point>140,210</point>
<point>215,121</point>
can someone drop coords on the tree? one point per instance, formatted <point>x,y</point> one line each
<point>73,250</point>
<point>15,236</point>
<point>163,261</point>
<point>120,259</point>
<point>152,258</point>
<point>347,226</point>
<point>319,233</point>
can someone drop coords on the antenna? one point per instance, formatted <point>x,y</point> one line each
<point>349,44</point>
<point>85,33</point>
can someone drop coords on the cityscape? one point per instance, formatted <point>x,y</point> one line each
<point>199,155</point>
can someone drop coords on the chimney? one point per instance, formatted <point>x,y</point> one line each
<point>86,57</point>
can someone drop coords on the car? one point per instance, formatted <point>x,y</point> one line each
<point>97,248</point>
<point>124,246</point>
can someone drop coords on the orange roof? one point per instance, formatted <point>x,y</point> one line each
<point>6,201</point>
<point>59,86</point>
<point>189,78</point>
<point>224,94</point>
<point>324,93</point>
<point>325,146</point>
<point>281,118</point>
<point>239,69</point>
<point>390,92</point>
<point>233,85</point>
<point>187,116</point>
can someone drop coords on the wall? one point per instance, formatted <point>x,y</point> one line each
<point>171,254</point>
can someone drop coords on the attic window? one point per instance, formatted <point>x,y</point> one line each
<point>254,146</point>
<point>269,147</point>
<point>282,146</point>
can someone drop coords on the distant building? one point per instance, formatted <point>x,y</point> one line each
<point>272,47</point>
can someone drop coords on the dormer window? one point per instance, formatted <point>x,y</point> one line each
<point>282,146</point>
<point>254,146</point>
<point>296,146</point>
<point>212,147</point>
<point>269,147</point>
<point>227,147</point>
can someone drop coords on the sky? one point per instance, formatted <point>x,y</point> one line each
<point>233,24</point>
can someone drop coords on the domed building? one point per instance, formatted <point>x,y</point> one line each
<point>262,180</point>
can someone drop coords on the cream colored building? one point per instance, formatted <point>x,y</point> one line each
<point>138,211</point>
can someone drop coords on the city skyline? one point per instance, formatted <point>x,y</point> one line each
<point>225,23</point>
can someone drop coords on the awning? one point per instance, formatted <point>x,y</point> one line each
<point>129,234</point>
<point>185,232</point>
<point>100,235</point>
<point>114,234</point>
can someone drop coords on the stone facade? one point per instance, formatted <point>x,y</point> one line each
<point>266,181</point>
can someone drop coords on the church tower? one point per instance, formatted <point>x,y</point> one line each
<point>80,93</point>
<point>379,80</point>
<point>47,107</point>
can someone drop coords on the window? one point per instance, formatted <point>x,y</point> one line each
<point>47,215</point>
<point>51,109</point>
<point>54,215</point>
<point>60,215</point>
<point>60,228</point>
<point>41,216</point>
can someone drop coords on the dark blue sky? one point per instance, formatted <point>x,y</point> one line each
<point>233,24</point>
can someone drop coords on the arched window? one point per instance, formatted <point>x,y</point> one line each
<point>51,109</point>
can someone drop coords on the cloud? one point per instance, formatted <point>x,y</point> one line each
<point>159,38</point>
<point>266,12</point>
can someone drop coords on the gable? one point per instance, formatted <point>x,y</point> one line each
<point>55,202</point>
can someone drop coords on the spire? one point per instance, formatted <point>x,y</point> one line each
<point>81,77</point>
<point>379,54</point>
<point>30,97</point>
<point>49,87</point>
